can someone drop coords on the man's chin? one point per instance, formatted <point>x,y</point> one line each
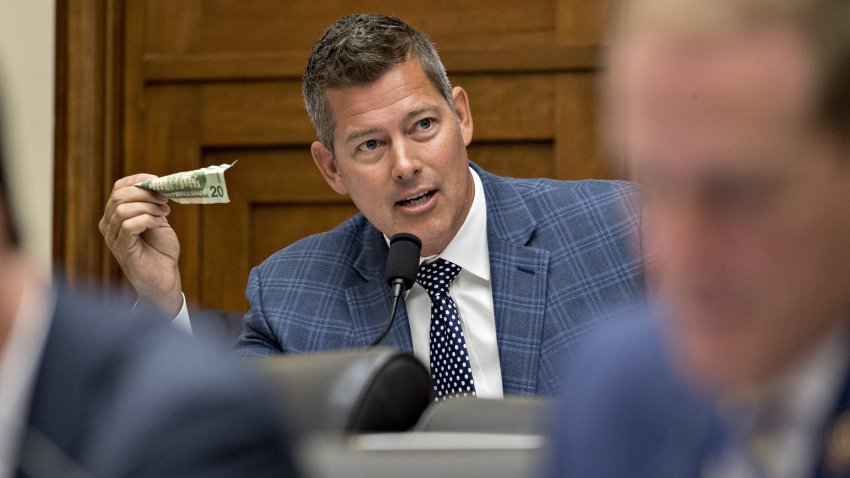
<point>433,241</point>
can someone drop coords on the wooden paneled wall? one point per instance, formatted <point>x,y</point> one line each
<point>190,83</point>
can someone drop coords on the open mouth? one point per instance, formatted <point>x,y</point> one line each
<point>412,201</point>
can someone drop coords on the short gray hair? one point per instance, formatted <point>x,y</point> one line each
<point>358,50</point>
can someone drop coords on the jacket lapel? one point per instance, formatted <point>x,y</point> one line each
<point>370,302</point>
<point>519,276</point>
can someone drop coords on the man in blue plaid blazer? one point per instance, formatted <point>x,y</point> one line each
<point>559,255</point>
<point>392,135</point>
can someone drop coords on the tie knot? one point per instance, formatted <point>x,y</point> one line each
<point>436,276</point>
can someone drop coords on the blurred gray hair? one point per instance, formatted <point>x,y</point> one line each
<point>824,23</point>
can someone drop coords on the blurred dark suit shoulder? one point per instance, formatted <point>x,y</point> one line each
<point>624,413</point>
<point>123,394</point>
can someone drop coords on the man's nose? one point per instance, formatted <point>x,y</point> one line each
<point>405,163</point>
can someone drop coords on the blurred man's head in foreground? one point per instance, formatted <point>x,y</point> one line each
<point>735,116</point>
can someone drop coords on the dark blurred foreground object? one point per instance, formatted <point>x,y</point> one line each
<point>120,394</point>
<point>218,326</point>
<point>349,391</point>
<point>368,413</point>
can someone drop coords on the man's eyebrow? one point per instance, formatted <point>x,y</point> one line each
<point>421,110</point>
<point>361,133</point>
<point>408,116</point>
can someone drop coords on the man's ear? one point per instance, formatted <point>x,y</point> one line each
<point>324,159</point>
<point>463,112</point>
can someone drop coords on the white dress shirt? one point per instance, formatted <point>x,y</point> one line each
<point>473,294</point>
<point>19,363</point>
<point>181,320</point>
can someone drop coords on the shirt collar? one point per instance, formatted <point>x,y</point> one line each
<point>815,387</point>
<point>468,249</point>
<point>804,395</point>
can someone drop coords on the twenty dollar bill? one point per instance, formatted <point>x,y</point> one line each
<point>201,186</point>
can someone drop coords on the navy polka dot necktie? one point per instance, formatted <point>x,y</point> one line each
<point>451,373</point>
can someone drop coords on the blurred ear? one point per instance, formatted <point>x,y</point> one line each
<point>324,159</point>
<point>463,112</point>
<point>9,239</point>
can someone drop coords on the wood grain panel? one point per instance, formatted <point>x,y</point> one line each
<point>522,160</point>
<point>202,27</point>
<point>510,107</point>
<point>273,175</point>
<point>581,23</point>
<point>87,134</point>
<point>202,39</point>
<point>576,152</point>
<point>283,65</point>
<point>256,113</point>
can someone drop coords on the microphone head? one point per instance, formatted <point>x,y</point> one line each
<point>403,259</point>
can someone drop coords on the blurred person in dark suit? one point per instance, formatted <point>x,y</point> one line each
<point>735,117</point>
<point>88,389</point>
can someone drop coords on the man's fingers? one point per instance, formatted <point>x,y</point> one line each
<point>131,180</point>
<point>127,233</point>
<point>118,211</point>
<point>125,212</point>
<point>126,192</point>
<point>133,194</point>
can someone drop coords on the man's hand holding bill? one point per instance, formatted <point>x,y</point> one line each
<point>135,226</point>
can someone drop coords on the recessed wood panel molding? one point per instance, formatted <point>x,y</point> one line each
<point>88,132</point>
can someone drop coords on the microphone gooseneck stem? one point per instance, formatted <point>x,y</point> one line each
<point>398,288</point>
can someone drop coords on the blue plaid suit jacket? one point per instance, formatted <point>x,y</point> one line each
<point>560,253</point>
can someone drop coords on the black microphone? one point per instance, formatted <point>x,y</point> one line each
<point>402,264</point>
